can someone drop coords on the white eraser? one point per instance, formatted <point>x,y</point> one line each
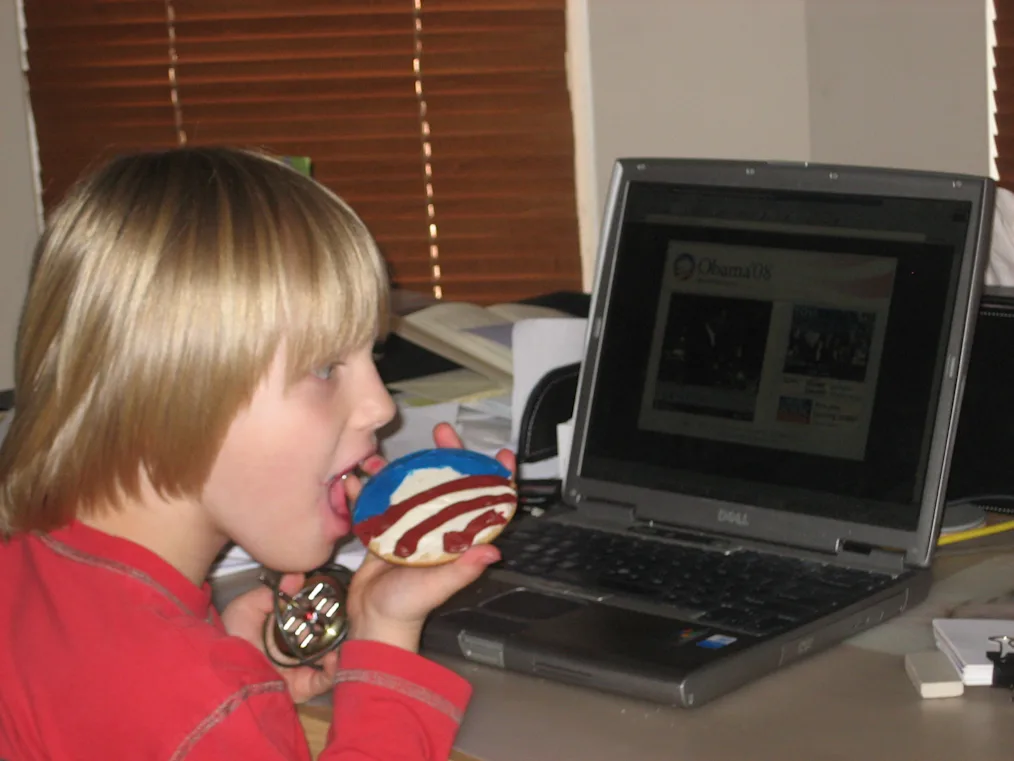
<point>933,675</point>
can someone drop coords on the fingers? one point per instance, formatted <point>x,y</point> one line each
<point>352,485</point>
<point>444,581</point>
<point>291,583</point>
<point>262,599</point>
<point>445,437</point>
<point>306,683</point>
<point>507,458</point>
<point>373,465</point>
<point>330,664</point>
<point>370,567</point>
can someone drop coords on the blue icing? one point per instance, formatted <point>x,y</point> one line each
<point>376,495</point>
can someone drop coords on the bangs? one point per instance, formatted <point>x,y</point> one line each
<point>323,286</point>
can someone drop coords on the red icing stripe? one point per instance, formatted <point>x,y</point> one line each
<point>410,539</point>
<point>378,524</point>
<point>459,541</point>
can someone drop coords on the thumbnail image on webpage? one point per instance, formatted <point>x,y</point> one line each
<point>769,347</point>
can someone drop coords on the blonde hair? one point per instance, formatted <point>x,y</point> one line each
<point>160,293</point>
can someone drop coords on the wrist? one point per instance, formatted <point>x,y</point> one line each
<point>400,634</point>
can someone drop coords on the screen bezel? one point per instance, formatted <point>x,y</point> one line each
<point>797,529</point>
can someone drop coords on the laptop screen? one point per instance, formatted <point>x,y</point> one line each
<point>776,348</point>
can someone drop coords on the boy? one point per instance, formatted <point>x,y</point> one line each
<point>193,367</point>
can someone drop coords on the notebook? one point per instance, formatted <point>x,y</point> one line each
<point>965,641</point>
<point>762,431</point>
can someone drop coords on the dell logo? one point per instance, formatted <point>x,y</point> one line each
<point>733,516</point>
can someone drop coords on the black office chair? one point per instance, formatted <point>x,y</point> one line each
<point>6,399</point>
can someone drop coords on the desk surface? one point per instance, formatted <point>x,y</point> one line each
<point>850,702</point>
<point>846,703</point>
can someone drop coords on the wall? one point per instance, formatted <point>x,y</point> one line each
<point>716,79</point>
<point>18,214</point>
<point>899,83</point>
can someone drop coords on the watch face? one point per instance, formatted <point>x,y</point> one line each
<point>314,620</point>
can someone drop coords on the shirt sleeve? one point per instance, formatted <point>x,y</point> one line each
<point>393,705</point>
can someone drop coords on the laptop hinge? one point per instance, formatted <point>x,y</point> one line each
<point>604,509</point>
<point>885,559</point>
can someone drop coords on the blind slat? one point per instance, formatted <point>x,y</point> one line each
<point>266,9</point>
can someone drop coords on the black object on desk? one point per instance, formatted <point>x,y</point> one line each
<point>550,403</point>
<point>983,460</point>
<point>1003,662</point>
<point>569,302</point>
<point>399,360</point>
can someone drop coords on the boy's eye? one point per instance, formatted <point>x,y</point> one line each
<point>326,372</point>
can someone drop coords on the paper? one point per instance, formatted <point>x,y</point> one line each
<point>514,312</point>
<point>965,641</point>
<point>483,433</point>
<point>412,430</point>
<point>542,345</point>
<point>498,334</point>
<point>453,386</point>
<point>351,555</point>
<point>564,440</point>
<point>491,406</point>
<point>448,329</point>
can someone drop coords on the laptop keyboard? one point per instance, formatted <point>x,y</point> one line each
<point>746,591</point>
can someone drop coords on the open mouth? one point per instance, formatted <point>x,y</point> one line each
<point>338,497</point>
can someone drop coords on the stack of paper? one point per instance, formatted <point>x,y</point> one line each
<point>965,641</point>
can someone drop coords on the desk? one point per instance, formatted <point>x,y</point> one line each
<point>847,703</point>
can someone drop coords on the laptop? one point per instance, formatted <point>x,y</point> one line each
<point>762,430</point>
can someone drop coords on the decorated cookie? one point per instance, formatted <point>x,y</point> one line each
<point>430,506</point>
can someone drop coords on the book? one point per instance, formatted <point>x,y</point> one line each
<point>475,337</point>
<point>965,641</point>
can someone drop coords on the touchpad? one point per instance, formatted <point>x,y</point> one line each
<point>533,606</point>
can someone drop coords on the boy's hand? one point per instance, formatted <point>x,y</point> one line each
<point>244,618</point>
<point>389,603</point>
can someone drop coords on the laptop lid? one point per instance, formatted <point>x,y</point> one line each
<point>777,351</point>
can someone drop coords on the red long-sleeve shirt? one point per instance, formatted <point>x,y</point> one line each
<point>108,652</point>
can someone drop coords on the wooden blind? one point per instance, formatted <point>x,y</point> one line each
<point>98,84</point>
<point>445,123</point>
<point>1003,71</point>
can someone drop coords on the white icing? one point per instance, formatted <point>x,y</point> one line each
<point>423,479</point>
<point>431,545</point>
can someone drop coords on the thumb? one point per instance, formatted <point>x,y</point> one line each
<point>263,598</point>
<point>291,583</point>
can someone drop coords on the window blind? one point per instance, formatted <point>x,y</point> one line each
<point>97,78</point>
<point>445,123</point>
<point>1003,93</point>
